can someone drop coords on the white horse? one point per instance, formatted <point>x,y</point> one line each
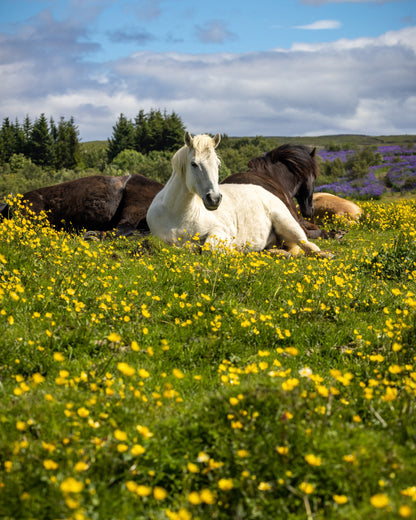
<point>242,216</point>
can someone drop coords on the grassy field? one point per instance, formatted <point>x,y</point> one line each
<point>141,381</point>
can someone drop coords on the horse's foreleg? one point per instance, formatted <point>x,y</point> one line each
<point>293,235</point>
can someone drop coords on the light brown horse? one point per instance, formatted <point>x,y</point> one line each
<point>328,206</point>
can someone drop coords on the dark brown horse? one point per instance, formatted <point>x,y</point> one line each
<point>97,202</point>
<point>287,171</point>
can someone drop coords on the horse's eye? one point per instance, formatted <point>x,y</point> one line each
<point>194,164</point>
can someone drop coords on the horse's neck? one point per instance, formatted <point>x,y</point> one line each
<point>177,199</point>
<point>289,181</point>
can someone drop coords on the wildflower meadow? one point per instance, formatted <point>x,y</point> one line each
<point>140,381</point>
<point>394,172</point>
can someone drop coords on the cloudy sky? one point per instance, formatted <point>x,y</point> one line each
<point>260,67</point>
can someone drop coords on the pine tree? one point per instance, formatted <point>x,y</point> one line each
<point>123,137</point>
<point>156,124</point>
<point>173,132</point>
<point>158,132</point>
<point>73,142</point>
<point>67,147</point>
<point>141,132</point>
<point>53,129</point>
<point>41,148</point>
<point>8,145</point>
<point>27,131</point>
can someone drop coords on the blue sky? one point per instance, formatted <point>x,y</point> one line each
<point>266,67</point>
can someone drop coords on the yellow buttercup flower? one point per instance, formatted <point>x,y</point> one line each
<point>114,337</point>
<point>143,491</point>
<point>207,496</point>
<point>340,499</point>
<point>282,450</point>
<point>264,486</point>
<point>71,485</point>
<point>178,373</point>
<point>380,500</point>
<point>83,412</point>
<point>159,493</point>
<point>313,460</point>
<point>126,369</point>
<point>137,449</point>
<point>405,511</point>
<point>307,488</point>
<point>21,425</point>
<point>225,484</point>
<point>194,498</point>
<point>81,466</point>
<point>50,464</point>
<point>120,435</point>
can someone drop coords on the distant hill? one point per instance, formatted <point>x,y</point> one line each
<point>320,140</point>
<point>356,139</point>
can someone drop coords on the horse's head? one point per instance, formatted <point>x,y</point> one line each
<point>201,168</point>
<point>304,195</point>
<point>295,168</point>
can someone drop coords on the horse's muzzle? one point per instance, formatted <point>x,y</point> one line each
<point>212,200</point>
<point>307,210</point>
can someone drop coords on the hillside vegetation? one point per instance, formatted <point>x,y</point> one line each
<point>20,174</point>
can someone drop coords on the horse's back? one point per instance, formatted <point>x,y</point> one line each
<point>250,212</point>
<point>245,196</point>
<point>88,202</point>
<point>139,194</point>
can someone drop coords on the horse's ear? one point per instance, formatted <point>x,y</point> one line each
<point>217,140</point>
<point>313,153</point>
<point>188,140</point>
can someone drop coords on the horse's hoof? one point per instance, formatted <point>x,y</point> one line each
<point>96,236</point>
<point>279,252</point>
<point>325,254</point>
<point>337,234</point>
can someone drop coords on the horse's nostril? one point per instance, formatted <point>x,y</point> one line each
<point>212,200</point>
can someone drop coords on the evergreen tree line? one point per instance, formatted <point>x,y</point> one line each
<point>41,153</point>
<point>44,142</point>
<point>151,132</point>
<point>57,146</point>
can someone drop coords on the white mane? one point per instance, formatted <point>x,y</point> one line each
<point>203,147</point>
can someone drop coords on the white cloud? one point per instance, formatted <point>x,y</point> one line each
<point>403,38</point>
<point>320,25</point>
<point>346,86</point>
<point>367,85</point>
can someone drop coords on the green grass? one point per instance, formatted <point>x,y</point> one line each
<point>141,381</point>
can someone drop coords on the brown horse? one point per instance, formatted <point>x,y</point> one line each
<point>97,203</point>
<point>287,171</point>
<point>327,206</point>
